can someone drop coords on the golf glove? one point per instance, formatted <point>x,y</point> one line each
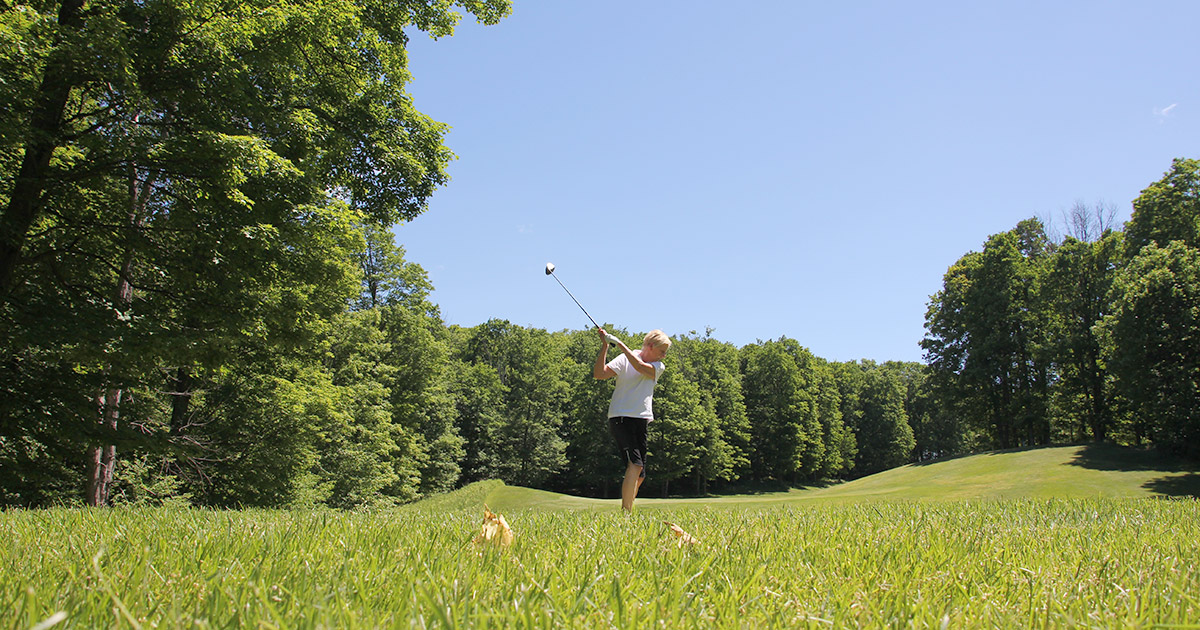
<point>611,338</point>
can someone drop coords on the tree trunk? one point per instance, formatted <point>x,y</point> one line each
<point>1099,405</point>
<point>45,129</point>
<point>104,458</point>
<point>181,398</point>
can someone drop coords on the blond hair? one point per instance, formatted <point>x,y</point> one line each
<point>657,338</point>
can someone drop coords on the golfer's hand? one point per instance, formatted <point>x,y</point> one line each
<point>613,340</point>
<point>603,334</point>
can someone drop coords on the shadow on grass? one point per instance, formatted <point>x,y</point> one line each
<point>1125,458</point>
<point>1184,480</point>
<point>949,458</point>
<point>940,459</point>
<point>686,489</point>
<point>1186,485</point>
<point>750,488</point>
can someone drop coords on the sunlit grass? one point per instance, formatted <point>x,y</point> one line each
<point>1077,562</point>
<point>1091,471</point>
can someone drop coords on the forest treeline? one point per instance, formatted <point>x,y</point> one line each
<point>201,299</point>
<point>1033,340</point>
<point>1091,336</point>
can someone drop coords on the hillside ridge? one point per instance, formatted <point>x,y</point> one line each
<point>1073,471</point>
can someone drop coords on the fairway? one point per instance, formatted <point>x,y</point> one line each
<point>278,349</point>
<point>1081,471</point>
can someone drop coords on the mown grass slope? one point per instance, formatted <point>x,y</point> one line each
<point>899,549</point>
<point>1079,471</point>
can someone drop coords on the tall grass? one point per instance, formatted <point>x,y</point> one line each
<point>1092,563</point>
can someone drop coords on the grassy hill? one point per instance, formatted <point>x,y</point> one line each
<point>1094,470</point>
<point>1087,471</point>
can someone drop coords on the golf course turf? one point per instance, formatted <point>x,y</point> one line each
<point>912,547</point>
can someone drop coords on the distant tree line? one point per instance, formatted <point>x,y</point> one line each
<point>201,300</point>
<point>1092,336</point>
<point>1034,340</point>
<point>383,403</point>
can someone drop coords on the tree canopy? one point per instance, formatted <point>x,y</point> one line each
<point>1033,341</point>
<point>202,299</point>
<point>183,189</point>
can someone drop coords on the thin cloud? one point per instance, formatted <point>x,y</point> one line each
<point>1165,112</point>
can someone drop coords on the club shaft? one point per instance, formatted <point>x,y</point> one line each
<point>573,299</point>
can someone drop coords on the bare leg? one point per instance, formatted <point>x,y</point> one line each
<point>629,487</point>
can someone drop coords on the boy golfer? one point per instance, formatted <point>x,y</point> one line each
<point>637,372</point>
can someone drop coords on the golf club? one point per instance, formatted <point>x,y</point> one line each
<point>550,272</point>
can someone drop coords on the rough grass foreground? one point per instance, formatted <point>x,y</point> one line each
<point>1094,563</point>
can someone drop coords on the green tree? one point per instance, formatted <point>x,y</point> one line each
<point>175,180</point>
<point>154,91</point>
<point>683,430</point>
<point>528,448</point>
<point>873,399</point>
<point>986,339</point>
<point>260,441</point>
<point>1077,287</point>
<point>937,431</point>
<point>364,456</point>
<point>593,463</point>
<point>779,382</point>
<point>479,400</point>
<point>1168,210</point>
<point>724,446</point>
<point>950,429</point>
<point>841,445</point>
<point>421,398</point>
<point>1150,342</point>
<point>194,312</point>
<point>388,278</point>
<point>280,428</point>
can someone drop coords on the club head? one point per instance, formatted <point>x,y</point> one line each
<point>549,268</point>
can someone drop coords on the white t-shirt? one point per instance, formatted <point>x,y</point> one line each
<point>635,391</point>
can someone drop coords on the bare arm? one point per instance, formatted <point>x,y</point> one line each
<point>601,370</point>
<point>643,368</point>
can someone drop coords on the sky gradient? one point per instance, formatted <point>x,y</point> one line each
<point>771,169</point>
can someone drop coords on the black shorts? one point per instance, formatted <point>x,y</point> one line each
<point>631,439</point>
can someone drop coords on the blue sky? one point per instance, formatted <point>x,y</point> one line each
<point>777,168</point>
